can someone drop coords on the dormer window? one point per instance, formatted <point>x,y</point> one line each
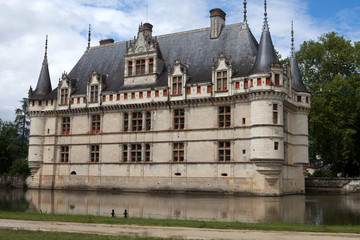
<point>64,96</point>
<point>140,67</point>
<point>151,65</point>
<point>130,68</point>
<point>277,79</point>
<point>177,85</point>
<point>221,81</point>
<point>94,92</point>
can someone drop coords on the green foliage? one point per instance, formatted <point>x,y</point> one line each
<point>20,167</point>
<point>10,145</point>
<point>330,68</point>
<point>320,173</point>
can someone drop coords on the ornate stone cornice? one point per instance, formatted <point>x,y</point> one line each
<point>267,95</point>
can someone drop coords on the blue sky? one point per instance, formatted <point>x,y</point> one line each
<point>24,25</point>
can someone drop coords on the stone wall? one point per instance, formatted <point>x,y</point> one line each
<point>13,181</point>
<point>332,185</point>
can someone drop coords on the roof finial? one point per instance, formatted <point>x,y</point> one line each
<point>89,38</point>
<point>46,46</point>
<point>292,40</point>
<point>245,20</point>
<point>266,25</point>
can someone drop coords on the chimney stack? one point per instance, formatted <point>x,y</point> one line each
<point>147,29</point>
<point>217,18</point>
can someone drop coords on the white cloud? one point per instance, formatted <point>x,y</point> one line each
<point>24,25</point>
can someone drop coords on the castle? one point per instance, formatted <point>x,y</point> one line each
<point>206,110</point>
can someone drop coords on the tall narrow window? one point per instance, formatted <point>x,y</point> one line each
<point>179,119</point>
<point>94,92</point>
<point>298,98</point>
<point>136,153</point>
<point>178,152</point>
<point>66,125</point>
<point>276,146</point>
<point>275,114</point>
<point>125,153</point>
<point>130,68</point>
<point>148,121</point>
<point>151,65</point>
<point>64,153</point>
<point>246,84</point>
<point>137,121</point>
<point>268,81</point>
<point>64,96</point>
<point>126,122</point>
<point>258,82</point>
<point>94,153</point>
<point>95,123</point>
<point>221,78</point>
<point>147,152</point>
<point>177,85</point>
<point>224,151</point>
<point>224,116</point>
<point>140,67</point>
<point>277,79</point>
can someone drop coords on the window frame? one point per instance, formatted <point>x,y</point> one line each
<point>64,154</point>
<point>176,84</point>
<point>95,123</point>
<point>137,121</point>
<point>94,93</point>
<point>275,114</point>
<point>224,151</point>
<point>64,92</point>
<point>135,151</point>
<point>224,116</point>
<point>179,119</point>
<point>94,153</point>
<point>178,152</point>
<point>221,81</point>
<point>66,123</point>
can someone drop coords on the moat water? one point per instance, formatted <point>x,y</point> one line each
<point>307,209</point>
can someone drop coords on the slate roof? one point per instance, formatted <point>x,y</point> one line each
<point>297,83</point>
<point>43,87</point>
<point>194,48</point>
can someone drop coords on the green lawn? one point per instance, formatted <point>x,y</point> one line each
<point>180,223</point>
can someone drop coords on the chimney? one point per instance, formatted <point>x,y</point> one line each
<point>217,18</point>
<point>106,41</point>
<point>147,29</point>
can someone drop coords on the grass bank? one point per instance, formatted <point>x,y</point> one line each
<point>181,223</point>
<point>8,234</point>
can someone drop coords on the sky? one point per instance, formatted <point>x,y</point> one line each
<point>24,25</point>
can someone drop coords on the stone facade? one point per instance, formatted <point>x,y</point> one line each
<point>168,113</point>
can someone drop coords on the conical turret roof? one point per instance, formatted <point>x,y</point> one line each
<point>43,86</point>
<point>266,53</point>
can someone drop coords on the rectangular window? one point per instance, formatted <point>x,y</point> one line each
<point>198,89</point>
<point>307,99</point>
<point>126,122</point>
<point>78,100</point>
<point>140,67</point>
<point>33,103</point>
<point>188,90</point>
<point>40,102</point>
<point>151,65</point>
<point>177,85</point>
<point>137,121</point>
<point>66,125</point>
<point>251,83</point>
<point>149,94</point>
<point>47,102</point>
<point>94,93</point>
<point>72,101</point>
<point>125,153</point>
<point>209,89</point>
<point>111,97</point>
<point>118,97</point>
<point>221,78</point>
<point>268,81</point>
<point>156,93</point>
<point>133,95</point>
<point>275,114</point>
<point>165,93</point>
<point>52,102</point>
<point>276,145</point>
<point>147,152</point>
<point>136,153</point>
<point>84,100</point>
<point>64,154</point>
<point>64,96</point>
<point>94,153</point>
<point>130,68</point>
<point>148,121</point>
<point>277,79</point>
<point>224,152</point>
<point>298,98</point>
<point>140,94</point>
<point>179,119</point>
<point>237,85</point>
<point>104,98</point>
<point>178,152</point>
<point>224,116</point>
<point>258,82</point>
<point>246,84</point>
<point>95,124</point>
<point>125,95</point>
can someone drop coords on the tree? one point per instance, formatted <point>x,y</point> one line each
<point>22,123</point>
<point>330,69</point>
<point>10,145</point>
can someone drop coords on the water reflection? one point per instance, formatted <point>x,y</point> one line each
<point>311,209</point>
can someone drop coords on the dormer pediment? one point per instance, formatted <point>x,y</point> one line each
<point>144,43</point>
